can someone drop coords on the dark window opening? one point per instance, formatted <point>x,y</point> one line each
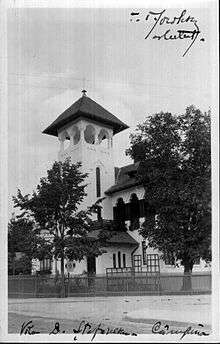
<point>119,259</point>
<point>91,265</point>
<point>134,212</point>
<point>114,260</point>
<point>98,182</point>
<point>124,260</point>
<point>119,214</point>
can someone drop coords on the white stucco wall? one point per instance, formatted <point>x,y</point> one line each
<point>91,156</point>
<point>106,259</point>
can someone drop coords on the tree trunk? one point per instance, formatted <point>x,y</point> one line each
<point>187,278</point>
<point>62,292</point>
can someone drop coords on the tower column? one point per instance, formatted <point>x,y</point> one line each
<point>61,144</point>
<point>96,136</point>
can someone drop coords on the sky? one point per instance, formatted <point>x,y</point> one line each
<point>54,53</point>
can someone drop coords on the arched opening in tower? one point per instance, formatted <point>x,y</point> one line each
<point>89,134</point>
<point>103,138</point>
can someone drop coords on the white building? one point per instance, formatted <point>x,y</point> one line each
<point>86,133</point>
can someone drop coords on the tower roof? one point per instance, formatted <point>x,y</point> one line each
<point>88,108</point>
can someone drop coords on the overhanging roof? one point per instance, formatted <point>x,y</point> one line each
<point>119,238</point>
<point>125,179</point>
<point>88,108</point>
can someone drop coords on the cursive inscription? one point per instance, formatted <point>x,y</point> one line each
<point>158,328</point>
<point>84,328</point>
<point>27,328</point>
<point>172,27</point>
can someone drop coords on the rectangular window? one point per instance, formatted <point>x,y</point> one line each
<point>152,262</point>
<point>114,260</point>
<point>119,259</point>
<point>98,182</point>
<point>137,262</point>
<point>45,264</point>
<point>124,260</point>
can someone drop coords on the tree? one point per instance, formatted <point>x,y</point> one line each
<point>54,206</point>
<point>175,169</point>
<point>24,237</point>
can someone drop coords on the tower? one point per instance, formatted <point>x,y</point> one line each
<point>85,131</point>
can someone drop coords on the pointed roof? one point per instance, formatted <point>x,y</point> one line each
<point>88,108</point>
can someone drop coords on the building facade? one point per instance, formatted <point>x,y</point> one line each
<point>86,133</point>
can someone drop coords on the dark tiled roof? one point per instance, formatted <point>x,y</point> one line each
<point>125,178</point>
<point>122,238</point>
<point>86,107</point>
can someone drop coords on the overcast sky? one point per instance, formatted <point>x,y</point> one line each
<point>51,51</point>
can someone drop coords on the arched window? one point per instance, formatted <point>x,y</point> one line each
<point>89,134</point>
<point>119,214</point>
<point>134,212</point>
<point>98,182</point>
<point>103,138</point>
<point>75,134</point>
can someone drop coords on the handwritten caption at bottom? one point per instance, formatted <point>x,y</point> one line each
<point>84,327</point>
